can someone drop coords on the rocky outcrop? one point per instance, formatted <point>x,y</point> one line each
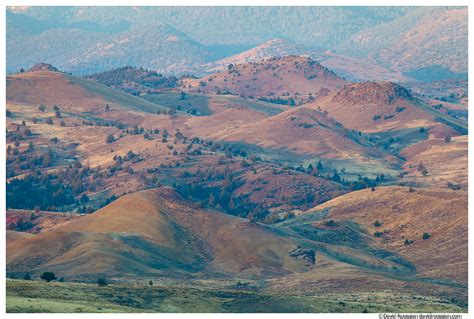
<point>384,93</point>
<point>303,253</point>
<point>43,67</point>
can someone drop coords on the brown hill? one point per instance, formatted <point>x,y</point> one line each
<point>267,50</point>
<point>13,235</point>
<point>358,69</point>
<point>399,218</point>
<point>385,93</point>
<point>446,162</point>
<point>70,93</point>
<point>155,231</point>
<point>382,106</point>
<point>42,67</point>
<point>279,79</point>
<point>79,135</point>
<point>306,131</point>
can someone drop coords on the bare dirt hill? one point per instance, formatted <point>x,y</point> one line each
<point>151,232</point>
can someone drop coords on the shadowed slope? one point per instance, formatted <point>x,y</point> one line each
<point>151,232</point>
<point>305,131</point>
<point>403,217</point>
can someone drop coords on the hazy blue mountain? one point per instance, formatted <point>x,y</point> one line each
<point>179,39</point>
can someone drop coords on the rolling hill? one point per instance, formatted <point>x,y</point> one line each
<point>445,161</point>
<point>151,232</point>
<point>220,159</point>
<point>283,80</point>
<point>396,218</point>
<point>274,48</point>
<point>70,93</point>
<point>146,147</point>
<point>305,131</point>
<point>382,106</point>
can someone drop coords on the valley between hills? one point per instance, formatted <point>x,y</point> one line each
<point>265,186</point>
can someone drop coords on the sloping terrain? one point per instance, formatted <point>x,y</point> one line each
<point>416,49</point>
<point>101,149</point>
<point>267,50</point>
<point>155,231</point>
<point>70,93</point>
<point>382,106</point>
<point>358,238</point>
<point>451,90</point>
<point>210,168</point>
<point>446,162</point>
<point>184,39</point>
<point>307,131</point>
<point>28,221</point>
<point>277,79</point>
<point>396,219</point>
<point>358,68</point>
<point>13,235</point>
<point>99,45</point>
<point>134,80</point>
<point>424,37</point>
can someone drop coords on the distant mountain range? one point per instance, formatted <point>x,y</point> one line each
<point>180,40</point>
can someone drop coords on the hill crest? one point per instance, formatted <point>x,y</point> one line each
<point>43,67</point>
<point>372,92</point>
<point>289,79</point>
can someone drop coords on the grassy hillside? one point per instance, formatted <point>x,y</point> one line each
<point>396,218</point>
<point>116,96</point>
<point>55,88</point>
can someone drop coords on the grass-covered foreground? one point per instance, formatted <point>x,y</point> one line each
<point>35,296</point>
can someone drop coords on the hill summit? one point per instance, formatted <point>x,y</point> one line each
<point>278,79</point>
<point>43,67</point>
<point>372,92</point>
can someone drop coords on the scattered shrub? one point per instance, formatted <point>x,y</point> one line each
<point>110,139</point>
<point>48,276</point>
<point>102,282</point>
<point>331,223</point>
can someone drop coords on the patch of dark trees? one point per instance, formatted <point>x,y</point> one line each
<point>52,191</point>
